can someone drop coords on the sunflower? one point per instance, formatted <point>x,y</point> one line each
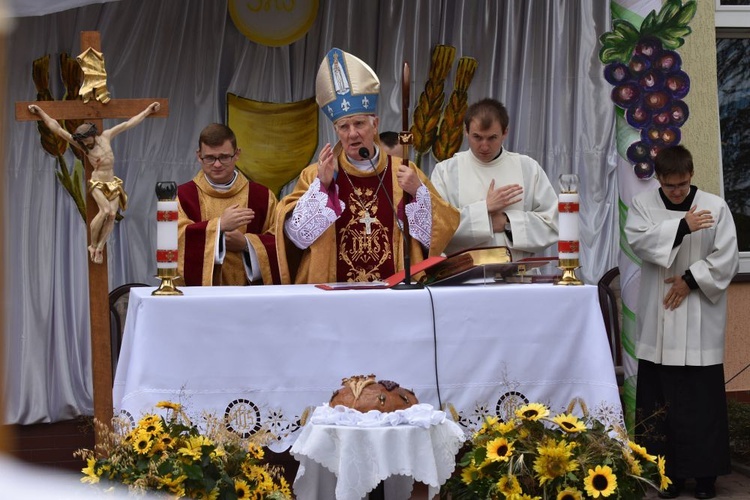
<point>148,420</point>
<point>255,451</point>
<point>633,465</point>
<point>600,481</point>
<point>569,494</point>
<point>532,411</point>
<point>509,486</point>
<point>554,460</point>
<point>283,487</point>
<point>198,441</point>
<point>487,426</point>
<point>165,441</point>
<point>153,427</point>
<point>641,452</point>
<point>142,442</point>
<point>91,476</point>
<point>569,423</point>
<point>169,405</point>
<point>190,451</point>
<point>506,427</point>
<point>499,450</point>
<point>470,473</point>
<point>664,480</point>
<point>241,489</point>
<point>172,482</point>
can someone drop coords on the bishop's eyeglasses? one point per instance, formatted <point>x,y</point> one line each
<point>223,159</point>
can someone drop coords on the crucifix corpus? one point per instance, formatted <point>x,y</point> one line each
<point>105,193</point>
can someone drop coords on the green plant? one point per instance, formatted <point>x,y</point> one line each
<point>739,431</point>
<point>172,455</point>
<point>535,456</point>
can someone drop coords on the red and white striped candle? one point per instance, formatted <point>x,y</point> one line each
<point>166,234</point>
<point>567,204</point>
<point>567,246</point>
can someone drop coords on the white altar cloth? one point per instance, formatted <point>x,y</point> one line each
<point>346,462</point>
<point>264,357</point>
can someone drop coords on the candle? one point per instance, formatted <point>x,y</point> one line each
<point>166,226</point>
<point>567,246</point>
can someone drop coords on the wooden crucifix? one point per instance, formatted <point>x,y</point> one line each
<point>94,112</point>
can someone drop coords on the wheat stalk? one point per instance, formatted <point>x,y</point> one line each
<point>72,78</point>
<point>51,143</point>
<point>450,133</point>
<point>427,112</point>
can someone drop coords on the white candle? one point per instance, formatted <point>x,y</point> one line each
<point>567,246</point>
<point>166,235</point>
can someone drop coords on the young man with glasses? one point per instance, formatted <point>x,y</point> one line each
<point>687,241</point>
<point>225,221</point>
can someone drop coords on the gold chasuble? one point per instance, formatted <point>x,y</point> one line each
<point>200,206</point>
<point>365,243</point>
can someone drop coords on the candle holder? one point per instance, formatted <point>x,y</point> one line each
<point>568,244</point>
<point>568,268</point>
<point>166,238</point>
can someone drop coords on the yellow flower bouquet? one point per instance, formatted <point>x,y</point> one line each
<point>536,456</point>
<point>173,456</point>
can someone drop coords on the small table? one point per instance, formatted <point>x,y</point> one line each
<point>346,462</point>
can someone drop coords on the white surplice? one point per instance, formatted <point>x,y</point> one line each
<point>463,181</point>
<point>692,334</point>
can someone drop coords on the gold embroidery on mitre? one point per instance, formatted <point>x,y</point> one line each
<point>364,253</point>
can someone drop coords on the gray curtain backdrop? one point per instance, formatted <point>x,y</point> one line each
<point>537,56</point>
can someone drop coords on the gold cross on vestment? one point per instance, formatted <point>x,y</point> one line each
<point>94,111</point>
<point>367,221</point>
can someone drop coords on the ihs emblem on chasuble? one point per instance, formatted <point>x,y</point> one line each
<point>365,242</point>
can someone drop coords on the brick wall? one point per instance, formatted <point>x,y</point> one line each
<point>51,444</point>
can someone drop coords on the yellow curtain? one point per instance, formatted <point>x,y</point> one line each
<point>277,140</point>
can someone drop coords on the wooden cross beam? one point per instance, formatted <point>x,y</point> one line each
<point>99,314</point>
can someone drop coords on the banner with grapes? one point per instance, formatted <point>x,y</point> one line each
<point>649,86</point>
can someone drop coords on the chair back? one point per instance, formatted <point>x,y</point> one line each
<point>609,302</point>
<point>118,308</point>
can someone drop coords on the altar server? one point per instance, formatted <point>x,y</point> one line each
<point>688,243</point>
<point>225,221</point>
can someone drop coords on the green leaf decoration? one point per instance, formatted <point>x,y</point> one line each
<point>72,185</point>
<point>670,25</point>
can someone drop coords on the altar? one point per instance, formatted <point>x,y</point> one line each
<point>264,357</point>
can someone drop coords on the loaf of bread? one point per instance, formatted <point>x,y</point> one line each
<point>364,393</point>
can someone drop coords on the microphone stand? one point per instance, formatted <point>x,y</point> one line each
<point>364,153</point>
<point>405,138</point>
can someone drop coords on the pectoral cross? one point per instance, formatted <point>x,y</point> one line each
<point>94,112</point>
<point>367,221</point>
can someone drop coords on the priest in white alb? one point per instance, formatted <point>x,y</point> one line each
<point>505,198</point>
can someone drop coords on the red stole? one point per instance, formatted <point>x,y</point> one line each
<point>195,234</point>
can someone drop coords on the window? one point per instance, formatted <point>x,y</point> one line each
<point>733,75</point>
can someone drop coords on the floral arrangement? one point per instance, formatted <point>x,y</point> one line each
<point>171,455</point>
<point>535,456</point>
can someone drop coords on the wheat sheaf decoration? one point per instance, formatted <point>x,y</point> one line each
<point>450,132</point>
<point>427,113</point>
<point>72,76</point>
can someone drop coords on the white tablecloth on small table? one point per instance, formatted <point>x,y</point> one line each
<point>346,462</point>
